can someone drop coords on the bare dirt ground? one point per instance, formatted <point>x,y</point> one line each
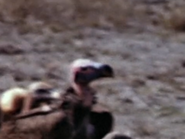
<point>143,40</point>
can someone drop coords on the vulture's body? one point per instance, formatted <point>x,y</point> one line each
<point>70,120</point>
<point>92,122</point>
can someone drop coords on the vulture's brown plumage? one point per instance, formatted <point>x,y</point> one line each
<point>75,117</point>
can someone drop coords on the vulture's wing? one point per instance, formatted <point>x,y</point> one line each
<point>102,120</point>
<point>54,125</point>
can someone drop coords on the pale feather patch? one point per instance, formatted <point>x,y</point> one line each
<point>56,94</point>
<point>9,97</point>
<point>85,63</point>
<point>46,108</point>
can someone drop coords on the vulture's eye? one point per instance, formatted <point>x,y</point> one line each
<point>84,68</point>
<point>87,69</point>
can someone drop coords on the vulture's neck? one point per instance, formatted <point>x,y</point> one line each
<point>81,90</point>
<point>85,92</point>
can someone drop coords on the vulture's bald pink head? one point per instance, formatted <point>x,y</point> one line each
<point>84,71</point>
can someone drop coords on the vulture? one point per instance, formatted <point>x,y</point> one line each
<point>88,117</point>
<point>76,116</point>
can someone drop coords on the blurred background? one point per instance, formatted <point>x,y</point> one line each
<point>142,39</point>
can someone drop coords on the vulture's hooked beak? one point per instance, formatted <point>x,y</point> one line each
<point>106,71</point>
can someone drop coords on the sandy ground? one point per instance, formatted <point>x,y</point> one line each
<point>147,94</point>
